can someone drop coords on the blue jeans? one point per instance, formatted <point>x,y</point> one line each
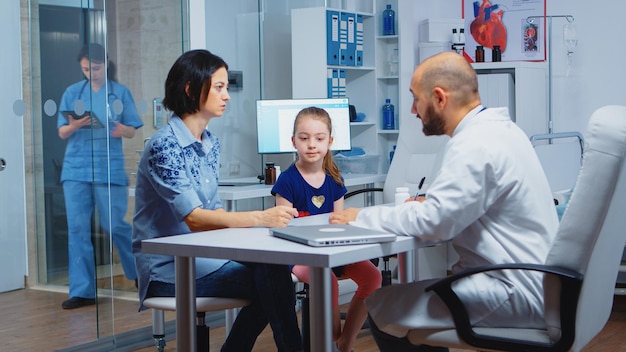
<point>271,292</point>
<point>80,200</point>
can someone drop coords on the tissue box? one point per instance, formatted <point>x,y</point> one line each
<point>358,164</point>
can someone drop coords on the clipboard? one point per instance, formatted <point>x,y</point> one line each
<point>95,122</point>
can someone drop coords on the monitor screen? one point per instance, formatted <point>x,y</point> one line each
<point>274,121</point>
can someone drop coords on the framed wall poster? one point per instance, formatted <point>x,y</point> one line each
<point>504,23</point>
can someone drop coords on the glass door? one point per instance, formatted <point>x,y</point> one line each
<point>98,71</point>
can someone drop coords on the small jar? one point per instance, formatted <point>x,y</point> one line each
<point>480,53</point>
<point>402,194</point>
<point>270,173</point>
<point>496,54</point>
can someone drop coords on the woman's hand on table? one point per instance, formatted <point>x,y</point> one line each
<point>344,216</point>
<point>278,216</point>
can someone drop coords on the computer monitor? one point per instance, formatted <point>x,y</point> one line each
<point>274,121</point>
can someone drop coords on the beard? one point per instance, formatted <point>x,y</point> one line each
<point>435,125</point>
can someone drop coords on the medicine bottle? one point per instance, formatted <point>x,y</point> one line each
<point>480,53</point>
<point>402,194</point>
<point>270,173</point>
<point>455,37</point>
<point>496,54</point>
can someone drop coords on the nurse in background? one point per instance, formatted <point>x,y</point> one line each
<point>95,114</point>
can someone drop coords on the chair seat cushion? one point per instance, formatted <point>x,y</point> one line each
<point>449,337</point>
<point>203,304</point>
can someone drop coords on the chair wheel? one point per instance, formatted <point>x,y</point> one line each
<point>159,342</point>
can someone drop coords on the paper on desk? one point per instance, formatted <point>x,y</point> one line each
<point>319,219</point>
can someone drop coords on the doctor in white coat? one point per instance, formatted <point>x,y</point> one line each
<point>491,200</point>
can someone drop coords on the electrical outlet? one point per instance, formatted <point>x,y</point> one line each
<point>233,168</point>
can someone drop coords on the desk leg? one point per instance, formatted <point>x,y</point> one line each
<point>185,304</point>
<point>371,197</point>
<point>229,205</point>
<point>406,263</point>
<point>320,302</point>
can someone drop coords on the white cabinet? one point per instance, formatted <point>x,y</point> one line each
<point>520,85</point>
<point>367,86</point>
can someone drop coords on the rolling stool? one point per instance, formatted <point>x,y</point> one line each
<point>203,305</point>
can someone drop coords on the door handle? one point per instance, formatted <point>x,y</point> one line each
<point>3,164</point>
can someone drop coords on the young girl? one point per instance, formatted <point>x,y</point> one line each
<point>313,185</point>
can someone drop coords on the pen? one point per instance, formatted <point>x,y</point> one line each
<point>419,187</point>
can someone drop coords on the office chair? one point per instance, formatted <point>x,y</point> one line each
<point>581,266</point>
<point>203,305</point>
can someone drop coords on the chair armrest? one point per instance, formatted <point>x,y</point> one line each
<point>362,190</point>
<point>571,282</point>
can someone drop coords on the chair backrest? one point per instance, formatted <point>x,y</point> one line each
<point>416,156</point>
<point>560,155</point>
<point>591,236</point>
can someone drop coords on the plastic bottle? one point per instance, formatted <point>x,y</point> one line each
<point>277,171</point>
<point>388,115</point>
<point>392,65</point>
<point>391,154</point>
<point>389,21</point>
<point>402,194</point>
<point>270,173</point>
<point>455,37</point>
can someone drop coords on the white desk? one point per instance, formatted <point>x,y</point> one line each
<point>231,194</point>
<point>257,245</point>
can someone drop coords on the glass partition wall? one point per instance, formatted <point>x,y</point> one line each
<point>107,60</point>
<point>140,39</point>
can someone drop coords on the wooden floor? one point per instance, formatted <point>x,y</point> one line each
<point>32,320</point>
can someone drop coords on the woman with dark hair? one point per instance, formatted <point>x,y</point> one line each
<point>177,193</point>
<point>94,115</point>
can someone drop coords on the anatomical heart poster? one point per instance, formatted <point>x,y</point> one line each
<point>505,23</point>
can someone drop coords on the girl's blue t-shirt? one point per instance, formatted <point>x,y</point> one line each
<point>306,198</point>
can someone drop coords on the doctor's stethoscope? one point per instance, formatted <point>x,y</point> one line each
<point>111,107</point>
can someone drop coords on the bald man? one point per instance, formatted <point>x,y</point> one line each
<point>491,200</point>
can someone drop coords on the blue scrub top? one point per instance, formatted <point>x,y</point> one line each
<point>90,152</point>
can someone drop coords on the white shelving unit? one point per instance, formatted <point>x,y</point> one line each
<point>367,86</point>
<point>387,85</point>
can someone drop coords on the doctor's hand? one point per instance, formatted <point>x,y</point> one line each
<point>278,216</point>
<point>344,216</point>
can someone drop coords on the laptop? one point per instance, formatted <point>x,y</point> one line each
<point>331,235</point>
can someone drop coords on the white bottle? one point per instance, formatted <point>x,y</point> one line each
<point>402,194</point>
<point>277,171</point>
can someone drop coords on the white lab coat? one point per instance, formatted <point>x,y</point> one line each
<point>491,199</point>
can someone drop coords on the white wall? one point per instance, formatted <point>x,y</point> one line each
<point>596,77</point>
<point>598,73</point>
<point>232,32</point>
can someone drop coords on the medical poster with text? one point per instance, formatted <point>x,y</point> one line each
<point>508,24</point>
